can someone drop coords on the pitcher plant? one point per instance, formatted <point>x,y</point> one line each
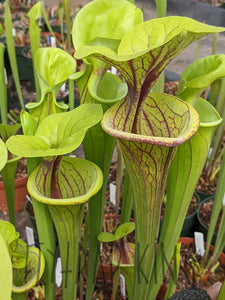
<point>148,125</point>
<point>64,183</point>
<point>96,85</point>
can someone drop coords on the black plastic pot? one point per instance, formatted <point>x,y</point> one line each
<point>25,66</point>
<point>190,223</point>
<point>54,23</point>
<point>201,227</point>
<point>202,196</point>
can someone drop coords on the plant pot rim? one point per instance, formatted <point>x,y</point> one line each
<point>195,212</point>
<point>17,181</point>
<point>199,208</point>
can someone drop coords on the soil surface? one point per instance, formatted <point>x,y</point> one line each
<point>188,277</point>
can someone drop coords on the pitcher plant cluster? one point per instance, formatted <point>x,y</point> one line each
<point>164,141</point>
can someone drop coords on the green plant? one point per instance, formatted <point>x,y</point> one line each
<point>194,80</point>
<point>122,256</point>
<point>8,170</point>
<point>190,158</point>
<point>54,66</point>
<point>63,183</point>
<point>147,124</point>
<point>43,139</point>
<point>161,6</point>
<point>6,268</point>
<point>222,292</point>
<point>11,51</point>
<point>24,265</point>
<point>217,206</point>
<point>96,85</point>
<point>3,86</point>
<point>34,32</point>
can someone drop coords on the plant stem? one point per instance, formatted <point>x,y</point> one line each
<point>119,177</point>
<point>148,195</point>
<point>161,6</point>
<point>68,220</point>
<point>45,235</point>
<point>127,202</point>
<point>3,88</point>
<point>19,296</point>
<point>8,177</point>
<point>12,52</point>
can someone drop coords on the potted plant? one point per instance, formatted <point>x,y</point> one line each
<point>57,191</point>
<point>86,177</point>
<point>137,121</point>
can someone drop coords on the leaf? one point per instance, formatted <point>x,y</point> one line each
<point>3,87</point>
<point>11,238</point>
<point>149,144</point>
<point>107,237</point>
<point>175,271</point>
<point>6,271</point>
<point>54,65</point>
<point>34,33</point>
<point>107,90</point>
<point>147,48</point>
<point>78,180</point>
<point>11,51</point>
<point>182,179</point>
<point>8,130</point>
<point>8,233</point>
<point>155,122</point>
<point>1,29</point>
<point>199,75</point>
<point>28,123</point>
<point>124,229</point>
<point>47,106</point>
<point>19,254</point>
<point>113,20</point>
<point>217,207</point>
<point>34,268</point>
<point>28,146</point>
<point>35,12</point>
<point>3,154</point>
<point>221,295</point>
<point>57,134</point>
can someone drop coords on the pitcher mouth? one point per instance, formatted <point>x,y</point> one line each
<point>38,193</point>
<point>111,125</point>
